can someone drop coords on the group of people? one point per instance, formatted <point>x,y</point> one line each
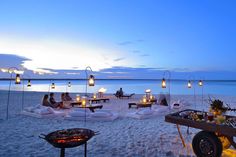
<point>119,93</point>
<point>51,102</point>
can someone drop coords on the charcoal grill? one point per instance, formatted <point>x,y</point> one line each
<point>68,138</point>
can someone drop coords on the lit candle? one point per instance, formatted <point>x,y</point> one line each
<point>144,99</point>
<point>78,98</point>
<point>83,102</point>
<point>94,96</point>
<point>151,97</point>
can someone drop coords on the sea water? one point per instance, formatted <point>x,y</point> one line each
<point>128,86</point>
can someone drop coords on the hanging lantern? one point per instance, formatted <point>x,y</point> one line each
<point>69,84</point>
<point>17,80</point>
<point>29,83</point>
<point>91,80</point>
<point>189,84</point>
<point>77,98</point>
<point>53,86</point>
<point>163,84</point>
<point>200,83</point>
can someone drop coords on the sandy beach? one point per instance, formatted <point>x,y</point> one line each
<point>130,137</point>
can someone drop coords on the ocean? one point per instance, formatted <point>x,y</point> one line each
<point>177,87</point>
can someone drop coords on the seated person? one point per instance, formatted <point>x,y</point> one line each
<point>63,97</point>
<point>53,101</point>
<point>45,101</point>
<point>121,92</point>
<point>67,97</point>
<point>117,93</point>
<point>162,100</point>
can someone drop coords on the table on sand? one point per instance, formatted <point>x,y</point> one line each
<point>139,104</point>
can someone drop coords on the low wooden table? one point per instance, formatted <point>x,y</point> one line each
<point>92,107</point>
<point>98,100</point>
<point>77,103</point>
<point>140,104</point>
<point>153,101</point>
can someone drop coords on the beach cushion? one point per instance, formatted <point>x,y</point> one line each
<point>101,114</point>
<point>145,112</point>
<point>78,112</point>
<point>42,111</point>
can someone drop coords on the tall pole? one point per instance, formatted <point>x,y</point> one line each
<point>86,72</point>
<point>8,96</point>
<point>23,92</point>
<point>86,90</point>
<point>194,93</point>
<point>23,95</point>
<point>10,70</point>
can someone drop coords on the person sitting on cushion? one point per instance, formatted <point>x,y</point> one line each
<point>67,97</point>
<point>53,101</point>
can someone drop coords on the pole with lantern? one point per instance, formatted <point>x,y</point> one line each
<point>17,81</point>
<point>200,83</point>
<point>28,86</point>
<point>52,85</point>
<point>163,83</point>
<point>190,85</point>
<point>68,86</point>
<point>90,80</point>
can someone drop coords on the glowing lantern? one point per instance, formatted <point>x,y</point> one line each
<point>29,83</point>
<point>189,84</point>
<point>91,80</point>
<point>200,83</point>
<point>69,84</point>
<point>163,84</point>
<point>17,80</point>
<point>53,86</point>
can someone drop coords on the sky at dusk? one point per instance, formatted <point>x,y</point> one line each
<point>119,38</point>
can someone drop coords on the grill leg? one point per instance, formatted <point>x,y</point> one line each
<point>62,152</point>
<point>85,149</point>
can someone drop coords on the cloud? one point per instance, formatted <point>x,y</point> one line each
<point>11,60</point>
<point>119,59</point>
<point>140,40</point>
<point>44,71</point>
<point>144,55</point>
<point>136,51</point>
<point>125,43</point>
<point>59,54</point>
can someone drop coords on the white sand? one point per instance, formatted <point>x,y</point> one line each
<point>124,137</point>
